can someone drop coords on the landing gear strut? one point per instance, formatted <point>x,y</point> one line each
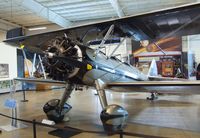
<point>113,116</point>
<point>56,109</point>
<point>153,96</point>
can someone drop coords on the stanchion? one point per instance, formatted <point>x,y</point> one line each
<point>14,115</point>
<point>24,96</point>
<point>11,104</point>
<point>24,93</point>
<point>121,134</point>
<point>34,129</point>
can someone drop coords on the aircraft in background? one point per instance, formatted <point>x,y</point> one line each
<point>69,61</point>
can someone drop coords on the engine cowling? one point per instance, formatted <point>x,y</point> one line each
<point>59,70</point>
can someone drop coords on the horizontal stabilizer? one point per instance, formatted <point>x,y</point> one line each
<point>153,70</point>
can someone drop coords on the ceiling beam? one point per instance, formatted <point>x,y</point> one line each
<point>6,25</point>
<point>88,13</point>
<point>91,17</point>
<point>46,13</point>
<point>116,6</point>
<point>82,4</point>
<point>9,23</point>
<point>83,9</point>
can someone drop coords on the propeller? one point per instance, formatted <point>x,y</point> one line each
<point>62,57</point>
<point>68,60</point>
<point>71,61</point>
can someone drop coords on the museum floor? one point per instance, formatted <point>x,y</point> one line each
<point>169,116</point>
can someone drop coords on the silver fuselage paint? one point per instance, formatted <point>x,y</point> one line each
<point>110,70</point>
<point>113,70</point>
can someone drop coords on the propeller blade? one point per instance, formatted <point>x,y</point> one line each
<point>67,60</point>
<point>71,61</point>
<point>35,50</point>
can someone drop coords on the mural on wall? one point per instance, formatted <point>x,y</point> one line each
<point>167,44</point>
<point>4,71</point>
<point>145,51</point>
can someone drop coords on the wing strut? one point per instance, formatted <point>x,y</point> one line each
<point>116,47</point>
<point>104,39</point>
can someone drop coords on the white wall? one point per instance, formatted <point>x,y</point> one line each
<point>2,36</point>
<point>122,50</point>
<point>8,55</point>
<point>185,43</point>
<point>194,46</point>
<point>191,45</point>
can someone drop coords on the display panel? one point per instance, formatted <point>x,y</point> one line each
<point>4,71</point>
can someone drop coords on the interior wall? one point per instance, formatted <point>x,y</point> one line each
<point>2,36</point>
<point>194,46</point>
<point>122,51</point>
<point>8,55</point>
<point>184,44</point>
<point>190,45</point>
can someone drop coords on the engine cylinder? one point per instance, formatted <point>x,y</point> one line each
<point>57,69</point>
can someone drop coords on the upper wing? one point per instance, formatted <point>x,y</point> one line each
<point>166,23</point>
<point>42,81</point>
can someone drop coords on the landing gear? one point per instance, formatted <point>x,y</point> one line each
<point>52,111</point>
<point>113,116</point>
<point>153,96</point>
<point>56,109</point>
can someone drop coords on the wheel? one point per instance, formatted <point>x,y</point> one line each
<point>114,118</point>
<point>153,96</point>
<point>53,112</point>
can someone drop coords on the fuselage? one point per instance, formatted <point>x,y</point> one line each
<point>106,69</point>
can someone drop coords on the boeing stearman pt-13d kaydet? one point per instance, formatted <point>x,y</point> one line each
<point>69,61</point>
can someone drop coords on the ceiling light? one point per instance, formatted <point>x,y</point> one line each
<point>37,28</point>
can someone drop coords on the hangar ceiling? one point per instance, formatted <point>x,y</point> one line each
<point>26,13</point>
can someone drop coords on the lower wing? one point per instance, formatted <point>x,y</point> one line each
<point>158,78</point>
<point>41,81</point>
<point>158,86</point>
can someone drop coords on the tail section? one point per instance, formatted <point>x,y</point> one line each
<point>153,70</point>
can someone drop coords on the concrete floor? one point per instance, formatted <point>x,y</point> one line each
<point>169,116</point>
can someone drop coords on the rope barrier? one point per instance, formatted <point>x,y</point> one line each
<point>67,128</point>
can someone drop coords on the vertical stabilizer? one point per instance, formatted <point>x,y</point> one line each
<point>153,70</point>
